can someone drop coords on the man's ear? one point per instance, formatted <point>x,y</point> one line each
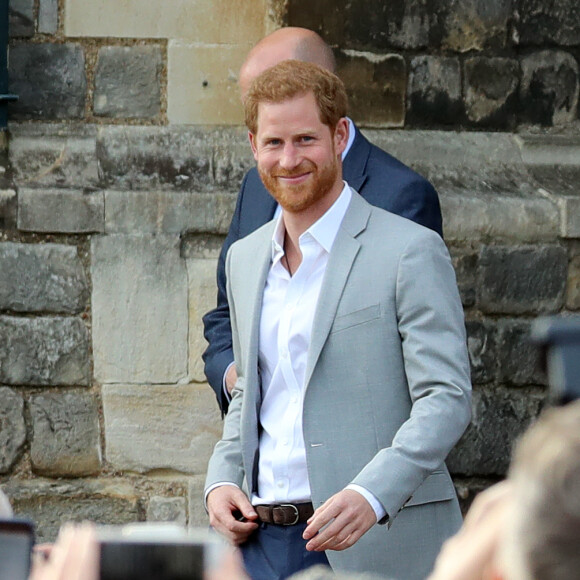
<point>341,135</point>
<point>252,139</point>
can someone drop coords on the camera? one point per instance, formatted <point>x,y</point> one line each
<point>559,340</point>
<point>16,541</point>
<point>151,551</point>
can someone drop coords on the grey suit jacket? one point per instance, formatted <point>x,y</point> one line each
<point>387,383</point>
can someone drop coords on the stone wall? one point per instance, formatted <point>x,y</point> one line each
<point>119,180</point>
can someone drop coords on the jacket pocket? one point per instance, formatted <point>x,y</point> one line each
<point>437,487</point>
<point>356,317</point>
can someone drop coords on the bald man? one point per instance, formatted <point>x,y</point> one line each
<point>380,178</point>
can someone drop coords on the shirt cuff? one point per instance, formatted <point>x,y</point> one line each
<point>373,501</point>
<point>224,387</point>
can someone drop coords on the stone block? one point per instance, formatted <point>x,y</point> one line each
<point>42,278</point>
<point>12,428</point>
<point>482,350</point>
<point>140,304</point>
<point>490,86</point>
<point>434,94</point>
<point>172,212</point>
<point>197,515</point>
<point>573,287</point>
<point>376,85</point>
<point>44,351</point>
<point>54,155</point>
<point>469,217</point>
<point>499,418</point>
<point>570,207</point>
<point>167,509</point>
<point>525,279</point>
<point>49,80</point>
<point>127,82</point>
<point>139,436</point>
<point>66,436</point>
<point>474,24</point>
<point>61,211</point>
<point>465,265</point>
<point>8,209</point>
<point>202,298</point>
<point>48,16</point>
<point>549,88</point>
<point>209,93</point>
<point>51,503</point>
<point>219,22</point>
<point>556,22</point>
<point>21,18</point>
<point>517,357</point>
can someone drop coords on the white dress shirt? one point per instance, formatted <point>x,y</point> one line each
<point>288,308</point>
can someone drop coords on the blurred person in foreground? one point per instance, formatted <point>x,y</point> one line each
<point>377,176</point>
<point>528,527</point>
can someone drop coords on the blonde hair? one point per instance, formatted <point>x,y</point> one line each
<point>546,476</point>
<point>292,78</point>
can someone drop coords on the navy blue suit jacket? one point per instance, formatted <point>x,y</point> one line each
<point>380,178</point>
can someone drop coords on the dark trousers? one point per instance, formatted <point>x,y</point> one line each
<point>276,552</point>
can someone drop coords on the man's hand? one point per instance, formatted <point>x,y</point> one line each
<point>231,378</point>
<point>226,504</point>
<point>348,515</point>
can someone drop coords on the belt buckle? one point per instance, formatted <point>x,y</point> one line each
<point>291,505</point>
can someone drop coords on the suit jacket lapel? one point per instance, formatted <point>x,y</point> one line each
<point>355,162</point>
<point>340,261</point>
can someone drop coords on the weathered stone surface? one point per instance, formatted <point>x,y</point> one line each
<point>376,86</point>
<point>499,418</point>
<point>41,278</point>
<point>573,287</point>
<point>66,436</point>
<point>8,209</point>
<point>517,357</point>
<point>167,509</point>
<point>490,87</point>
<point>474,24</point>
<point>209,94</point>
<point>48,16</point>
<point>12,428</point>
<point>61,211</point>
<point>179,158</point>
<point>522,279</point>
<point>49,80</point>
<point>434,91</point>
<point>482,350</point>
<point>173,212</point>
<point>139,436</point>
<point>43,351</point>
<point>217,22</point>
<point>52,503</point>
<point>54,155</point>
<point>127,82</point>
<point>202,298</point>
<point>549,88</point>
<point>465,265</point>
<point>140,297</point>
<point>469,217</point>
<point>197,516</point>
<point>555,22</point>
<point>21,18</point>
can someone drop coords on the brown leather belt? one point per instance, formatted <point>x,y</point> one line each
<point>285,514</point>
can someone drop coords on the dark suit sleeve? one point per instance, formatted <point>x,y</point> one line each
<point>216,323</point>
<point>418,201</point>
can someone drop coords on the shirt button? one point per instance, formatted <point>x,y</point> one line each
<point>285,442</point>
<point>284,353</point>
<point>280,484</point>
<point>294,400</point>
